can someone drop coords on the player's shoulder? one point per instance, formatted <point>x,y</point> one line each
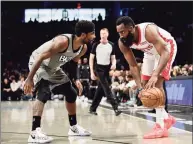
<point>143,26</point>
<point>63,38</point>
<point>145,23</point>
<point>151,28</point>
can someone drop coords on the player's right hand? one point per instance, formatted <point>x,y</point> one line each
<point>28,86</point>
<point>79,86</point>
<point>93,77</point>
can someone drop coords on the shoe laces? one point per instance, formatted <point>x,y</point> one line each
<point>79,128</point>
<point>39,131</point>
<point>156,126</point>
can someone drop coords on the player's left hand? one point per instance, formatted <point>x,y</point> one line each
<point>152,81</point>
<point>79,86</point>
<point>113,67</point>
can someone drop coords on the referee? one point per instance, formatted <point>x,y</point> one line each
<point>105,60</point>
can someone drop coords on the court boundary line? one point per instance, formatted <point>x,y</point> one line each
<point>123,113</point>
<point>95,139</point>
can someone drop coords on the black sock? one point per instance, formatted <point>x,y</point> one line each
<point>72,119</point>
<point>36,122</point>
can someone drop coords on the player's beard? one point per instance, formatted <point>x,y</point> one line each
<point>128,40</point>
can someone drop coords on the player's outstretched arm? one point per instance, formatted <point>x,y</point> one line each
<point>129,56</point>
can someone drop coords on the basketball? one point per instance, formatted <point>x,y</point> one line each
<point>152,98</point>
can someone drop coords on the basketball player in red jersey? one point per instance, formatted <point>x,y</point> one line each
<point>159,49</point>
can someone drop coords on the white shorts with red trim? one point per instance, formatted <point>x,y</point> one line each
<point>150,62</point>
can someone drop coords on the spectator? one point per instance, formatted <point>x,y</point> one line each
<point>16,91</point>
<point>6,89</point>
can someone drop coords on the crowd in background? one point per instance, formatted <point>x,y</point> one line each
<point>20,39</point>
<point>123,85</point>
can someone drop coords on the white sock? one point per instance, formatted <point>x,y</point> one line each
<point>161,114</point>
<point>165,114</point>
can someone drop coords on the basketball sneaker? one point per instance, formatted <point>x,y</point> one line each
<point>77,130</point>
<point>169,122</point>
<point>37,136</point>
<point>157,132</point>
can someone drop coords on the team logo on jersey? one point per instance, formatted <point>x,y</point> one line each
<point>65,58</point>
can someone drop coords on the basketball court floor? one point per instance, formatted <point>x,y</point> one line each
<point>128,128</point>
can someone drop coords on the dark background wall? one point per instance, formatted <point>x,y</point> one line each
<point>20,39</point>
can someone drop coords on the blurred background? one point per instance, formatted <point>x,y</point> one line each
<point>26,25</point>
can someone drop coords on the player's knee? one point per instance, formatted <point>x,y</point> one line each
<point>43,93</point>
<point>71,97</point>
<point>43,96</point>
<point>43,99</point>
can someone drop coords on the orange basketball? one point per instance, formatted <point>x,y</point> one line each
<point>152,98</point>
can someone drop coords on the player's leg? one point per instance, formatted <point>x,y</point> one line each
<point>165,75</point>
<point>147,70</point>
<point>163,120</point>
<point>43,93</point>
<point>168,119</point>
<point>161,114</point>
<point>159,130</point>
<point>70,93</point>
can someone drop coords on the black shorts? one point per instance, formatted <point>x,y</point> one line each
<point>43,90</point>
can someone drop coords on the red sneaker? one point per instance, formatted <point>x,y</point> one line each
<point>157,132</point>
<point>169,122</point>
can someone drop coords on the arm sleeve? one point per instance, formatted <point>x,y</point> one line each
<point>113,48</point>
<point>94,46</point>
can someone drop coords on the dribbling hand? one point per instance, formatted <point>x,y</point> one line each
<point>152,82</point>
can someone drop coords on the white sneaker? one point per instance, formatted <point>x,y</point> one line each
<point>37,136</point>
<point>77,130</point>
<point>104,99</point>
